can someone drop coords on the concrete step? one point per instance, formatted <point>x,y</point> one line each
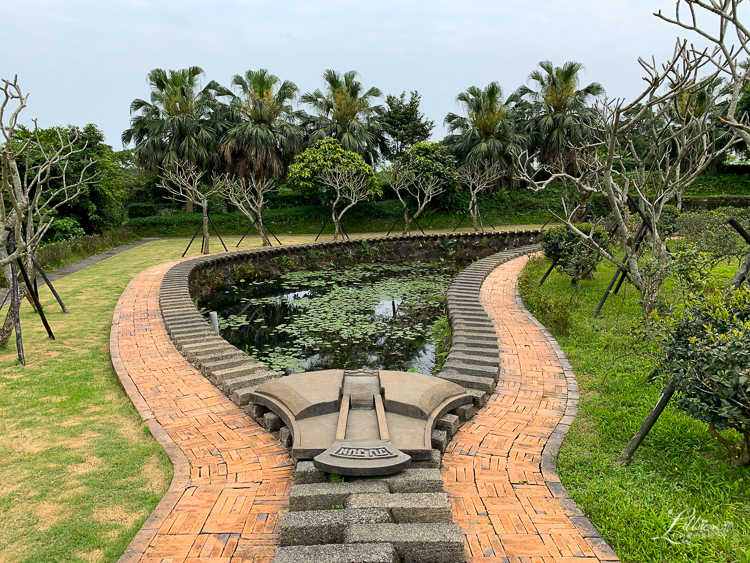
<point>449,423</point>
<point>489,360</point>
<point>247,368</point>
<point>415,481</point>
<point>479,398</point>
<point>434,462</point>
<point>407,508</point>
<point>322,496</point>
<point>485,384</point>
<point>206,367</point>
<point>338,553</point>
<point>229,386</point>
<point>472,368</point>
<point>460,339</point>
<point>320,527</point>
<point>305,474</point>
<point>415,543</point>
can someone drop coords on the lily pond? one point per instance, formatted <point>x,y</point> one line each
<point>371,316</point>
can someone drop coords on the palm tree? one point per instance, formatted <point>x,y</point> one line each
<point>487,134</point>
<point>179,123</point>
<point>561,115</point>
<point>266,135</point>
<point>345,112</point>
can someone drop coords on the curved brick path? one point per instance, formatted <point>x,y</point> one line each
<point>498,470</point>
<point>231,478</point>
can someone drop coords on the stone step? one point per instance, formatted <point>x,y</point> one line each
<point>320,527</point>
<point>416,481</point>
<point>229,386</point>
<point>479,398</point>
<point>415,543</point>
<point>197,336</point>
<point>485,384</point>
<point>467,348</point>
<point>489,360</point>
<point>247,368</point>
<point>407,508</point>
<point>306,473</point>
<point>219,354</point>
<point>449,423</point>
<point>338,553</point>
<point>439,440</point>
<point>465,412</point>
<point>188,329</point>
<point>212,353</point>
<point>477,336</point>
<point>322,496</point>
<point>432,463</point>
<point>208,366</point>
<point>472,368</point>
<point>459,339</point>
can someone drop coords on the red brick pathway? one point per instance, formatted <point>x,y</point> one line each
<point>508,508</point>
<point>231,478</point>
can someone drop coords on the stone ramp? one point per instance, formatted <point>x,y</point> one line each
<point>499,469</point>
<point>231,478</point>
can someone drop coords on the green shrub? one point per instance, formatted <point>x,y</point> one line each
<point>64,228</point>
<point>720,184</point>
<point>552,312</point>
<point>136,210</point>
<point>708,358</point>
<point>709,232</point>
<point>442,335</point>
<point>570,254</point>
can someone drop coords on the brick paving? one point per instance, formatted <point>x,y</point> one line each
<point>231,478</point>
<point>499,470</point>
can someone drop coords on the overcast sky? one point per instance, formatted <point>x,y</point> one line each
<point>85,61</point>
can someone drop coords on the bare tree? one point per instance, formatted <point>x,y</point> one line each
<point>183,181</point>
<point>32,192</point>
<point>248,195</point>
<point>731,39</point>
<point>422,188</point>
<point>477,177</point>
<point>350,186</point>
<point>681,143</point>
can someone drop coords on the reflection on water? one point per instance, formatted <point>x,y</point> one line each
<point>373,316</point>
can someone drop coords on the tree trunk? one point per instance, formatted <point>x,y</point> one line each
<point>205,230</point>
<point>188,206</point>
<point>259,206</point>
<point>262,232</point>
<point>580,212</point>
<point>7,329</point>
<point>474,209</point>
<point>407,221</point>
<point>741,274</point>
<point>336,225</point>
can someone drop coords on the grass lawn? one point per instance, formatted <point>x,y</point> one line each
<point>679,476</point>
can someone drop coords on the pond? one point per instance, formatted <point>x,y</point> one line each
<point>367,316</point>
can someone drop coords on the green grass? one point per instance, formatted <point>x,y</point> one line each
<point>678,467</point>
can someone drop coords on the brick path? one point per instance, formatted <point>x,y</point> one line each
<point>498,470</point>
<point>231,478</point>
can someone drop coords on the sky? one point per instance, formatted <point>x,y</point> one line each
<point>85,61</point>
